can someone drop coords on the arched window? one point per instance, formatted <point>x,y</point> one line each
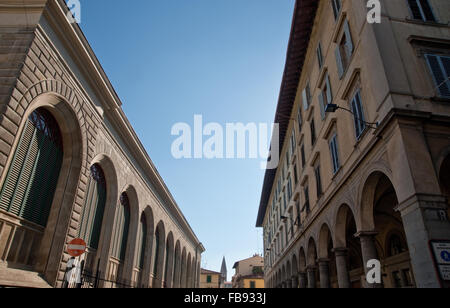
<point>31,180</point>
<point>121,227</point>
<point>142,239</point>
<point>396,245</point>
<point>94,207</point>
<point>155,267</point>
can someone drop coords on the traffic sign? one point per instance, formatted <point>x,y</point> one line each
<point>441,251</point>
<point>76,247</point>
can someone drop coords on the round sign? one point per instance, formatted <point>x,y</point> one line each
<point>76,247</point>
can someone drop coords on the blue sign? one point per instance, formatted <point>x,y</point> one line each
<point>445,255</point>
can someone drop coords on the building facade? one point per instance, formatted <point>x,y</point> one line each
<point>249,273</point>
<point>364,114</point>
<point>72,166</point>
<point>210,279</point>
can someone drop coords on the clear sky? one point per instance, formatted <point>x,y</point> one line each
<point>223,59</point>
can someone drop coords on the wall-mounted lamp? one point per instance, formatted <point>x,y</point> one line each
<point>332,108</point>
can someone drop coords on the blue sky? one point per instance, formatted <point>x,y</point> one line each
<point>223,59</point>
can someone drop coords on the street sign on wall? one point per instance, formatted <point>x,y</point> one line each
<point>441,250</point>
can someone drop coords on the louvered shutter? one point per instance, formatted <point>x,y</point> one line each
<point>339,63</point>
<point>321,105</point>
<point>31,181</point>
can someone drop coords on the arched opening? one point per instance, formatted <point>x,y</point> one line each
<point>159,253</point>
<point>288,275</point>
<point>189,271</point>
<point>120,240</point>
<point>312,269</point>
<point>29,187</point>
<point>183,276</point>
<point>169,262</point>
<point>444,180</point>
<point>294,272</point>
<point>43,171</point>
<point>327,260</point>
<point>351,247</point>
<point>92,215</point>
<point>380,201</point>
<point>177,266</point>
<point>140,251</point>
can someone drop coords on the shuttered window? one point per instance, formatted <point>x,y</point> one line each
<point>94,208</point>
<point>121,227</point>
<point>440,69</point>
<point>334,154</point>
<point>336,4</point>
<point>421,10</point>
<point>358,115</point>
<point>142,239</point>
<point>318,181</point>
<point>31,180</point>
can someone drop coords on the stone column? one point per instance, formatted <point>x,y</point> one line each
<point>342,268</point>
<point>311,271</point>
<point>302,280</point>
<point>424,220</point>
<point>324,272</point>
<point>294,282</point>
<point>369,252</point>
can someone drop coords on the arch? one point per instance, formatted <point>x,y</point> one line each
<point>343,214</point>
<point>169,262</point>
<point>288,277</point>
<point>312,252</point>
<point>325,238</point>
<point>183,277</point>
<point>283,276</point>
<point>177,265</point>
<point>302,260</point>
<point>189,271</point>
<point>294,265</point>
<point>159,255</point>
<point>367,196</point>
<point>148,248</point>
<point>102,254</point>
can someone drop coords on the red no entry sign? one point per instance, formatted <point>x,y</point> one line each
<point>76,247</point>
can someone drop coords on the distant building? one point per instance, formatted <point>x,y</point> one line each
<point>249,273</point>
<point>210,279</point>
<point>224,273</point>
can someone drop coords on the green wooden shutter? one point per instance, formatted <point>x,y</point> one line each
<point>121,227</point>
<point>94,208</point>
<point>31,181</point>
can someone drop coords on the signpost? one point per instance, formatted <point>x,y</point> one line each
<point>441,251</point>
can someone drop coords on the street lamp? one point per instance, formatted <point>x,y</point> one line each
<point>332,108</point>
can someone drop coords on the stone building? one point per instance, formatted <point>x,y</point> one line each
<point>72,166</point>
<point>249,273</point>
<point>364,114</point>
<point>210,279</point>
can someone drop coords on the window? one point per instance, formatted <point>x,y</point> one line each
<point>31,181</point>
<point>440,69</point>
<point>121,228</point>
<point>421,10</point>
<point>293,142</point>
<point>336,4</point>
<point>358,115</point>
<point>320,56</point>
<point>289,189</point>
<point>306,96</point>
<point>284,200</point>
<point>300,119</point>
<point>325,96</point>
<point>307,208</point>
<point>94,208</point>
<point>142,239</point>
<point>318,181</point>
<point>334,154</point>
<point>295,175</point>
<point>208,279</point>
<point>252,285</point>
<point>344,50</point>
<point>303,156</point>
<point>313,133</point>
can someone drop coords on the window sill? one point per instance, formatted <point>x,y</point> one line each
<point>426,23</point>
